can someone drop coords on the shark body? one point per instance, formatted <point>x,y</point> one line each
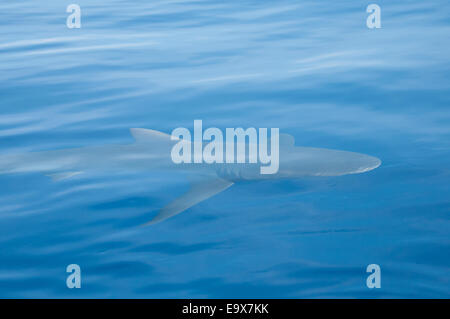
<point>151,151</point>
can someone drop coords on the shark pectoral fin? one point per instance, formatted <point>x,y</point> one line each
<point>195,195</point>
<point>56,177</point>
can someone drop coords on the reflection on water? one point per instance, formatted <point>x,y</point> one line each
<point>311,69</point>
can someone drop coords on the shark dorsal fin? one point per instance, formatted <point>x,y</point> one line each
<point>143,135</point>
<point>287,140</point>
<point>62,175</point>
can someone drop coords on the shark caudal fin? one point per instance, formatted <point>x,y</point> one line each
<point>198,192</point>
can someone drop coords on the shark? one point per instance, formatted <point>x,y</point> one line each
<point>151,151</point>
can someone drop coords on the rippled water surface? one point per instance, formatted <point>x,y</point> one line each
<point>311,68</point>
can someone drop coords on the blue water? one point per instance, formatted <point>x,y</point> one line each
<point>311,68</point>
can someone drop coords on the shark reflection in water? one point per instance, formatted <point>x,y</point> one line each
<point>152,151</point>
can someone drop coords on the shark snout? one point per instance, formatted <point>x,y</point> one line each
<point>364,163</point>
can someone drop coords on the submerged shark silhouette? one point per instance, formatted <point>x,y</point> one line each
<point>152,150</point>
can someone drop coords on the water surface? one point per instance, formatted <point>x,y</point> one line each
<point>311,68</point>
